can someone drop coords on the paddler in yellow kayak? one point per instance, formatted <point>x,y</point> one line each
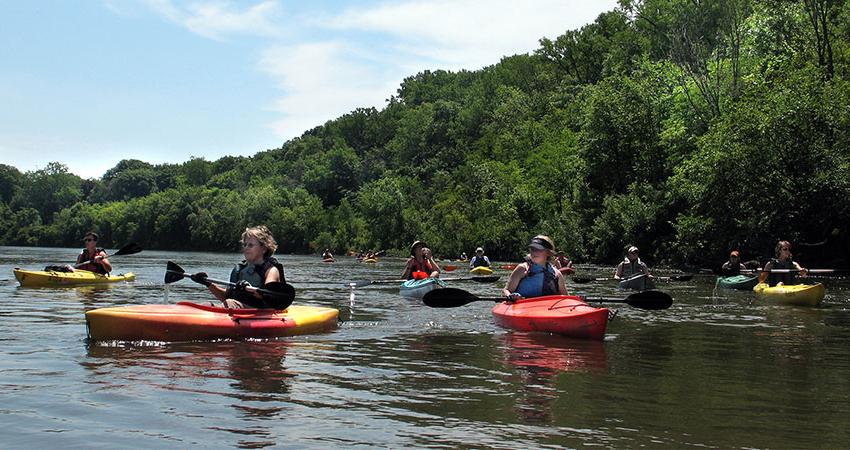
<point>257,269</point>
<point>94,257</point>
<point>480,259</point>
<point>421,263</point>
<point>783,260</point>
<point>537,276</point>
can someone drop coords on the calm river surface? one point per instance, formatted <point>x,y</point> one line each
<point>715,370</point>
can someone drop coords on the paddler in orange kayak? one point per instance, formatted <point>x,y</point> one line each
<point>537,276</point>
<point>421,263</point>
<point>257,269</point>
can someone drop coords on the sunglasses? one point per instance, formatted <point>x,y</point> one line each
<point>88,240</point>
<point>785,249</point>
<point>249,245</point>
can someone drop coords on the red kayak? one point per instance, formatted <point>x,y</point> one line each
<point>566,315</point>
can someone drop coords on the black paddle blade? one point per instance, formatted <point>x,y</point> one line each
<point>452,298</point>
<point>652,300</point>
<point>688,277</point>
<point>129,249</point>
<point>173,273</point>
<point>581,280</point>
<point>278,295</point>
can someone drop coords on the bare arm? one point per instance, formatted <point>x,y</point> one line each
<point>516,276</point>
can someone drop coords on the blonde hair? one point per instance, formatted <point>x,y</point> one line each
<point>262,234</point>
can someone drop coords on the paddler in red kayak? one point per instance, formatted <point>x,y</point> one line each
<point>421,263</point>
<point>783,260</point>
<point>537,276</point>
<point>96,255</point>
<point>563,263</point>
<point>258,269</point>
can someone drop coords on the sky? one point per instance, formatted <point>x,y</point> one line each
<point>89,83</point>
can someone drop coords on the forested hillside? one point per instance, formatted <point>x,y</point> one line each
<point>686,128</point>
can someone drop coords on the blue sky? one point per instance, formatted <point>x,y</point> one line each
<point>90,83</point>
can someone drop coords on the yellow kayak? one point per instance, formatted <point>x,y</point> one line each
<point>39,278</point>
<point>797,294</point>
<point>187,321</point>
<point>481,270</point>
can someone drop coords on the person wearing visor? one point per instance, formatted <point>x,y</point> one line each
<point>734,265</point>
<point>421,263</point>
<point>480,259</point>
<point>536,276</point>
<point>783,260</point>
<point>633,273</point>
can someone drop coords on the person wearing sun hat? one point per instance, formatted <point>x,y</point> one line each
<point>421,263</point>
<point>537,276</point>
<point>480,259</point>
<point>733,266</point>
<point>631,269</point>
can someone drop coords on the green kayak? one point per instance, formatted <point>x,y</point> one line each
<point>739,282</point>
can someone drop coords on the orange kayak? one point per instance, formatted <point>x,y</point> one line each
<point>560,314</point>
<point>187,321</point>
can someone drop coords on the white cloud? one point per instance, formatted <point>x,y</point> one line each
<point>216,19</point>
<point>322,81</point>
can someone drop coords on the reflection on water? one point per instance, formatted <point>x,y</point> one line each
<point>715,370</point>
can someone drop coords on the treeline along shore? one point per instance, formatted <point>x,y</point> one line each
<point>685,128</point>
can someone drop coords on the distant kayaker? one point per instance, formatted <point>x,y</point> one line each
<point>463,256</point>
<point>327,254</point>
<point>96,255</point>
<point>421,263</point>
<point>537,276</point>
<point>784,261</point>
<point>563,263</point>
<point>631,266</point>
<point>257,269</point>
<point>480,259</point>
<point>734,265</point>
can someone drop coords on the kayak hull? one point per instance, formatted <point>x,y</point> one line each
<point>481,270</point>
<point>370,261</point>
<point>192,322</point>
<point>797,294</point>
<point>328,260</point>
<point>739,282</point>
<point>418,288</point>
<point>559,314</point>
<point>38,278</point>
<point>637,284</point>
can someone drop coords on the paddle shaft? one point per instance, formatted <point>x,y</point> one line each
<point>227,283</point>
<point>118,253</point>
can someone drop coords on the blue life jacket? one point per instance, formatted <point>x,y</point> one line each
<point>538,281</point>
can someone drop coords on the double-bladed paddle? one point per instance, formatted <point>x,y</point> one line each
<point>280,295</point>
<point>452,298</point>
<point>686,277</point>
<point>129,249</point>
<point>479,279</point>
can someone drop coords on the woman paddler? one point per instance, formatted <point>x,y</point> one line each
<point>257,269</point>
<point>537,276</point>
<point>783,260</point>
<point>421,263</point>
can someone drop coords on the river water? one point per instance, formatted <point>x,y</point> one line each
<point>715,370</point>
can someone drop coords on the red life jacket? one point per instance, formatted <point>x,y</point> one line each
<point>92,266</point>
<point>417,269</point>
